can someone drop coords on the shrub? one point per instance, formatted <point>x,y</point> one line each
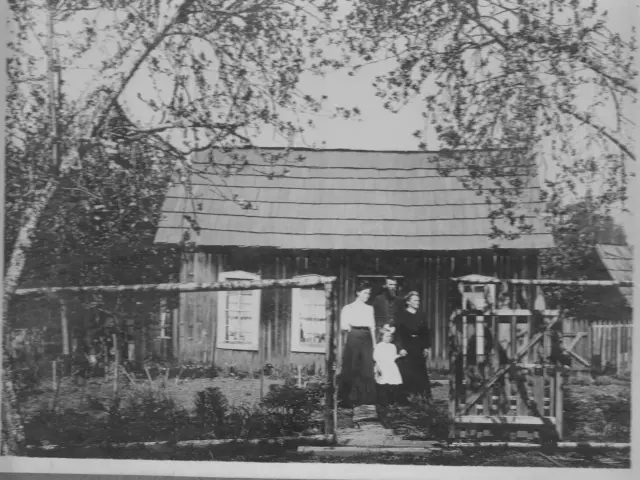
<point>245,422</point>
<point>592,412</point>
<point>419,419</point>
<point>68,428</point>
<point>616,412</point>
<point>25,381</point>
<point>211,408</point>
<point>285,410</point>
<point>292,406</point>
<point>434,419</point>
<point>147,415</point>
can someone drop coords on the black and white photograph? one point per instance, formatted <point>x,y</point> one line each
<point>359,234</point>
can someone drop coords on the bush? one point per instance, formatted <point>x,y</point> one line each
<point>256,422</point>
<point>293,406</point>
<point>68,428</point>
<point>148,416</point>
<point>211,409</point>
<point>285,410</point>
<point>595,412</point>
<point>25,381</point>
<point>418,420</point>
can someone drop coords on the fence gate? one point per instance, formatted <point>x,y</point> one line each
<point>506,375</point>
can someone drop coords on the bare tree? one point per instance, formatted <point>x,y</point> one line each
<point>175,76</point>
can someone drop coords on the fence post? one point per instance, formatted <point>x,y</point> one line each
<point>559,410</point>
<point>65,326</point>
<point>330,413</point>
<point>619,350</point>
<point>116,367</point>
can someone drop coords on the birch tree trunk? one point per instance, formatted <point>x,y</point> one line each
<point>12,437</point>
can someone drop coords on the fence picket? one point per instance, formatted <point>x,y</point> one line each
<point>612,343</point>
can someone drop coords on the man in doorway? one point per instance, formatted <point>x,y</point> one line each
<point>386,304</point>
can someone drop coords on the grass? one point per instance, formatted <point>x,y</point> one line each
<point>147,414</point>
<point>595,409</point>
<point>287,454</point>
<point>598,410</point>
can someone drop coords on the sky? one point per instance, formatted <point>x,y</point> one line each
<point>375,129</point>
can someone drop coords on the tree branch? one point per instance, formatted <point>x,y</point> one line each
<point>601,130</point>
<point>150,47</point>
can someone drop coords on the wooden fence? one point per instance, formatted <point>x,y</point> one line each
<point>600,347</point>
<point>503,376</point>
<point>611,347</point>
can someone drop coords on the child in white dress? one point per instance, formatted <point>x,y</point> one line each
<point>387,372</point>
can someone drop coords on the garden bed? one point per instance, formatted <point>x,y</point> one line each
<point>201,409</point>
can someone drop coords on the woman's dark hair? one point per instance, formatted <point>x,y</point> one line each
<point>364,285</point>
<point>408,296</point>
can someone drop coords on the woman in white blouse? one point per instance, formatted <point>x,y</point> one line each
<point>357,382</point>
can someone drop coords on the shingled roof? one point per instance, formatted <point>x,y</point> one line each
<point>336,199</point>
<point>618,260</point>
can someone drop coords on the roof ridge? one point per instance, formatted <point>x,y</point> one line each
<point>311,149</point>
<point>315,234</point>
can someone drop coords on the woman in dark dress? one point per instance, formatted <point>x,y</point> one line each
<point>413,341</point>
<point>357,380</point>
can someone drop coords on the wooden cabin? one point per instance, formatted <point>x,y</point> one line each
<point>351,214</point>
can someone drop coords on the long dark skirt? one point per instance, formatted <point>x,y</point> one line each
<point>415,378</point>
<point>357,382</point>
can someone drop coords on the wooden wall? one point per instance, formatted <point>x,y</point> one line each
<point>425,272</point>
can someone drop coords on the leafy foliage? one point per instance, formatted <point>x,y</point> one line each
<point>211,408</point>
<point>600,412</point>
<point>293,406</point>
<point>548,80</point>
<point>148,415</point>
<point>577,228</point>
<point>419,419</point>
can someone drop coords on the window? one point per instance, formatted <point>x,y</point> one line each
<point>238,314</point>
<point>475,296</point>
<point>165,320</point>
<point>308,320</point>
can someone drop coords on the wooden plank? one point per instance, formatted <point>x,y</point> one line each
<point>521,312</point>
<point>453,390</point>
<point>514,338</point>
<point>524,420</point>
<point>276,351</point>
<point>330,361</point>
<point>534,341</point>
<point>64,320</point>
<point>619,350</point>
<point>492,365</point>
<point>575,340</point>
<point>284,306</point>
<point>335,343</point>
<point>559,401</point>
<point>557,283</point>
<point>538,390</point>
<point>579,358</point>
<point>521,405</point>
<point>116,367</point>
<point>194,287</point>
<point>438,324</point>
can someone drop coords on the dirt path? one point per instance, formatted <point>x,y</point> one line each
<point>365,430</point>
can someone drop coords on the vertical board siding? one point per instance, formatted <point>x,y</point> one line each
<point>426,272</point>
<point>197,310</point>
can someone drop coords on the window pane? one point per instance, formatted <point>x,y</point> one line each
<point>240,321</point>
<point>312,325</point>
